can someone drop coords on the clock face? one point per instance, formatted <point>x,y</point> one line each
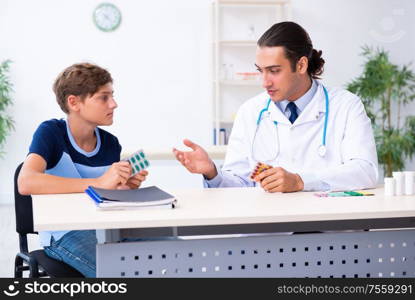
<point>107,17</point>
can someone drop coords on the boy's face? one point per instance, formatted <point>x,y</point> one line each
<point>99,108</point>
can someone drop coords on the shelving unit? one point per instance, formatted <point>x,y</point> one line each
<point>240,43</point>
<point>240,82</point>
<point>236,26</point>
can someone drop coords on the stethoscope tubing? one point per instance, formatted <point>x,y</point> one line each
<point>326,116</point>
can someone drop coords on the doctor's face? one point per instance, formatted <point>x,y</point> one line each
<point>278,78</point>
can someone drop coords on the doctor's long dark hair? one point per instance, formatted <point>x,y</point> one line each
<point>297,43</point>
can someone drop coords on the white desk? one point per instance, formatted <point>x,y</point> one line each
<point>225,206</point>
<point>244,210</point>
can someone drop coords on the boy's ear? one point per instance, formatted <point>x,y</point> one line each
<point>73,103</point>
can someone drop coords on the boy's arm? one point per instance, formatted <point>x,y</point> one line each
<point>33,180</point>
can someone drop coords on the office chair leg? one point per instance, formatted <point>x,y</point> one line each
<point>33,269</point>
<point>18,267</point>
<point>34,272</point>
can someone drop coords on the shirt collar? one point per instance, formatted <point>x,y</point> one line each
<point>79,149</point>
<point>301,102</point>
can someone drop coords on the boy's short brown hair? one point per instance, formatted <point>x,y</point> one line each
<point>81,79</point>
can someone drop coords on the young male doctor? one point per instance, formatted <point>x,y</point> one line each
<point>315,137</point>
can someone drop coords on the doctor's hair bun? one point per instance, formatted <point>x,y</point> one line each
<point>316,64</point>
<point>296,43</point>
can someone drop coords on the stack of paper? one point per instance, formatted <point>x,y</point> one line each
<point>149,197</point>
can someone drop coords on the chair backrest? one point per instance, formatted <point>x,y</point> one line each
<point>23,208</point>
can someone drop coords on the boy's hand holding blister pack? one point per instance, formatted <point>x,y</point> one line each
<point>138,162</point>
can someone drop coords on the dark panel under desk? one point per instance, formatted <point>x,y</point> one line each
<point>358,224</point>
<point>310,226</point>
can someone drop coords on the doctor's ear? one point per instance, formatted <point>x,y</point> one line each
<point>302,65</point>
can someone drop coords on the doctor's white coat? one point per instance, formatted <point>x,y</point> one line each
<point>349,163</point>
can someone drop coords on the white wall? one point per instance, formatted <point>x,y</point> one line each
<point>159,58</point>
<point>340,28</point>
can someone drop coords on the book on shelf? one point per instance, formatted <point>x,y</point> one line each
<point>148,197</point>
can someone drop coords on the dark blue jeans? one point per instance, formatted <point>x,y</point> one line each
<point>76,248</point>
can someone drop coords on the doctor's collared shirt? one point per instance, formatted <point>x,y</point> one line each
<point>301,102</point>
<point>310,183</point>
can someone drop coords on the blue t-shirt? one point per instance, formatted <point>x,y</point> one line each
<point>54,142</point>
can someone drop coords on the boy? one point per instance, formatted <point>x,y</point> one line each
<point>66,156</point>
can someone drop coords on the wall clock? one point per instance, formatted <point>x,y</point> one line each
<point>107,17</point>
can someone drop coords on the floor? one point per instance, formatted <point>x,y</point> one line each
<point>9,242</point>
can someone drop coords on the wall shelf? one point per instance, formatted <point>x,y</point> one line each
<point>253,2</point>
<point>236,43</point>
<point>235,30</point>
<point>241,82</point>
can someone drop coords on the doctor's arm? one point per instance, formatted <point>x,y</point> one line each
<point>359,169</point>
<point>235,171</point>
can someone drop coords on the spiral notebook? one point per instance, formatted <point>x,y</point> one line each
<point>148,197</point>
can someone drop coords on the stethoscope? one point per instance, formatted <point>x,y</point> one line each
<point>322,149</point>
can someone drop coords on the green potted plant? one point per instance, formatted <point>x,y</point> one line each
<point>6,122</point>
<point>386,90</point>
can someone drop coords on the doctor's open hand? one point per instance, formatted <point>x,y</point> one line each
<point>279,180</point>
<point>196,161</point>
